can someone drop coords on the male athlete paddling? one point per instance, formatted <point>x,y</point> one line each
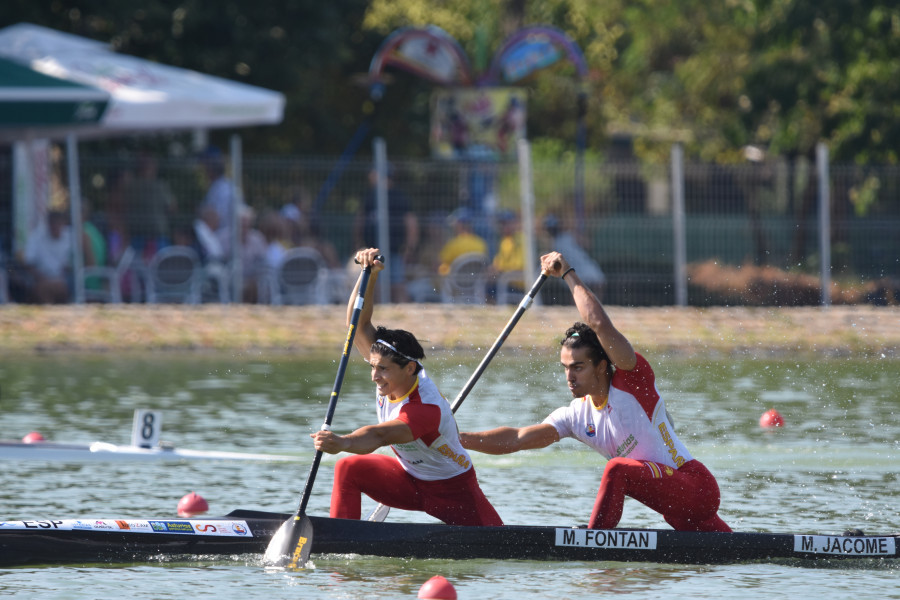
<point>618,412</point>
<point>430,470</point>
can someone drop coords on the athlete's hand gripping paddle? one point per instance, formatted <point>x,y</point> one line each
<point>380,512</point>
<point>292,543</point>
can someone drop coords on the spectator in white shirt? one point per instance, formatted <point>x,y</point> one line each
<point>208,242</point>
<point>48,254</point>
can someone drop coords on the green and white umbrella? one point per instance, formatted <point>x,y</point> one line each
<point>32,100</point>
<point>146,97</point>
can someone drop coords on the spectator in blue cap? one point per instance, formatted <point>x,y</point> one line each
<point>221,194</point>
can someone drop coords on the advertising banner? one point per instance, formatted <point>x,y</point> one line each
<point>477,122</point>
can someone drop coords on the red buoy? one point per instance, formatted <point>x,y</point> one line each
<point>771,418</point>
<point>192,504</point>
<point>437,588</point>
<point>33,437</point>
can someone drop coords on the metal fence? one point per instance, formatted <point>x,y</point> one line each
<point>760,220</point>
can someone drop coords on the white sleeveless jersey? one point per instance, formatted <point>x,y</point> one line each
<point>632,424</point>
<point>438,454</point>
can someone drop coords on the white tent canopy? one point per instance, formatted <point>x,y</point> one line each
<point>144,95</point>
<point>144,98</point>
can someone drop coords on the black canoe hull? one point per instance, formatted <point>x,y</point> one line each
<point>567,544</point>
<point>248,532</point>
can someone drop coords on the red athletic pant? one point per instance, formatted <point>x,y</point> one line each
<point>455,501</point>
<point>688,497</point>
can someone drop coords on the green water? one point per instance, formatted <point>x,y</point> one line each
<point>833,466</point>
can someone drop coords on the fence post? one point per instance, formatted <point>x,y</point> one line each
<point>75,216</point>
<point>237,204</point>
<point>824,221</point>
<point>678,226</point>
<point>526,191</point>
<point>379,147</point>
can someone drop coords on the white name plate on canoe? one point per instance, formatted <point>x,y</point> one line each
<point>606,538</point>
<point>845,545</point>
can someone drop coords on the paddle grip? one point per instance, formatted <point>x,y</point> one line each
<point>377,257</point>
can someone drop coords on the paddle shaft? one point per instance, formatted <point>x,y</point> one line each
<point>380,512</point>
<point>338,382</point>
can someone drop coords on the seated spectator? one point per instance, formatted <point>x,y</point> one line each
<point>201,236</point>
<point>462,242</point>
<point>150,204</point>
<point>221,194</point>
<point>311,236</point>
<point>253,255</point>
<point>425,283</point>
<point>94,246</point>
<point>564,242</point>
<point>274,229</point>
<point>208,244</point>
<point>48,257</point>
<point>297,213</point>
<point>510,256</point>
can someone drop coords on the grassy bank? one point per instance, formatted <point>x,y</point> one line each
<point>862,330</point>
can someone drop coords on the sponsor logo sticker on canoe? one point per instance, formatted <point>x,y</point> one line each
<point>240,528</point>
<point>845,545</point>
<point>136,526</point>
<point>606,538</point>
<point>172,526</point>
<point>228,528</point>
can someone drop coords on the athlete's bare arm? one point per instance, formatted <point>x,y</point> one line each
<point>617,346</point>
<point>365,439</point>
<point>365,331</point>
<point>506,440</point>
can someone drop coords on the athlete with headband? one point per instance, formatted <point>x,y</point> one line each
<point>617,411</point>
<point>431,471</point>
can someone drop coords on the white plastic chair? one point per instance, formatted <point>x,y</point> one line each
<point>215,283</point>
<point>466,282</point>
<point>174,274</point>
<point>110,279</point>
<point>504,281</point>
<point>301,278</point>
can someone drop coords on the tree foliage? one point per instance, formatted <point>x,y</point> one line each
<point>778,74</point>
<point>306,49</point>
<point>826,70</point>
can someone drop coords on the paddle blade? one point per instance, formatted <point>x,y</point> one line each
<point>379,514</point>
<point>291,545</point>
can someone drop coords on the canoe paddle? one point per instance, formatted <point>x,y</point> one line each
<point>292,543</point>
<point>380,512</point>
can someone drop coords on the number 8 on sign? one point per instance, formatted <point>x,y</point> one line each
<point>145,429</point>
